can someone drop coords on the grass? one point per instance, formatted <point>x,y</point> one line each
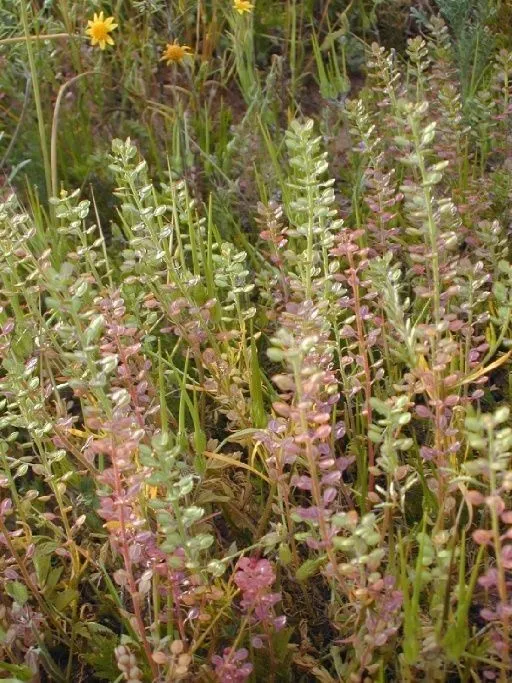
<point>255,342</point>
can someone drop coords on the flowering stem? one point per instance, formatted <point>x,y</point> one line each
<point>241,630</point>
<point>272,672</point>
<point>366,365</point>
<point>315,484</point>
<point>134,593</point>
<point>311,212</point>
<point>502,579</point>
<point>431,224</point>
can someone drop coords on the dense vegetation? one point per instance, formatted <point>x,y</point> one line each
<point>255,340</point>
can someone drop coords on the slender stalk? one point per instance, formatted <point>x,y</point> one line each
<point>28,38</point>
<point>37,99</point>
<point>502,574</point>
<point>363,347</point>
<point>55,125</point>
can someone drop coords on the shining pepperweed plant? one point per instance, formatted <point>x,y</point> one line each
<point>255,342</point>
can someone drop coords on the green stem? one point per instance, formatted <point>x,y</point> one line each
<point>28,38</point>
<point>37,99</point>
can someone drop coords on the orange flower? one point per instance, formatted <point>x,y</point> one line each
<point>175,53</point>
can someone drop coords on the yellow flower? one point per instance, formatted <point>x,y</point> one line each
<point>175,53</point>
<point>98,30</point>
<point>242,6</point>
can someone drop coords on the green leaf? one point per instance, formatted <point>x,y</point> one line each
<point>22,671</point>
<point>191,515</point>
<point>53,578</point>
<point>64,598</point>
<point>285,554</point>
<point>42,560</point>
<point>309,568</point>
<point>18,592</point>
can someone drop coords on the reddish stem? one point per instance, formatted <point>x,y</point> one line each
<point>132,586</point>
<point>353,280</point>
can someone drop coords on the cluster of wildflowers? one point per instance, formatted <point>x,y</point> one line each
<point>100,27</point>
<point>254,578</point>
<point>232,667</point>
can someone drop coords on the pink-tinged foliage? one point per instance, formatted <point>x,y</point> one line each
<point>255,578</point>
<point>232,667</point>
